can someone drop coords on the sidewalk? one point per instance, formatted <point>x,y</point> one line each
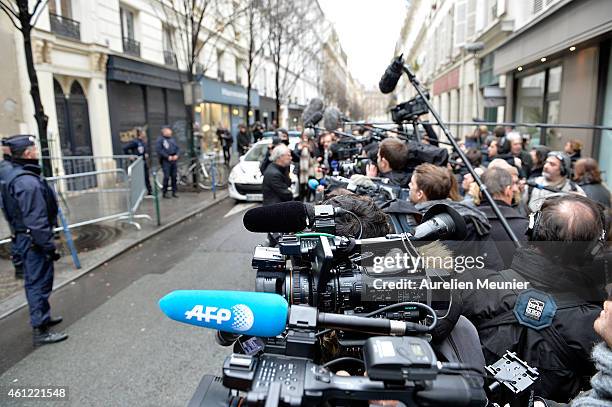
<point>118,237</point>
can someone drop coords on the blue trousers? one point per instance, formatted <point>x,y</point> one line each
<point>38,278</point>
<point>169,168</point>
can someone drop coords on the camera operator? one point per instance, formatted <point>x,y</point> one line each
<point>556,336</point>
<point>374,222</point>
<point>431,185</point>
<point>555,176</point>
<point>391,162</point>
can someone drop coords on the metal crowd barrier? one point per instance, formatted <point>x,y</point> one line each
<point>96,189</point>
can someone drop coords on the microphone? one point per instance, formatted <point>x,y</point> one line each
<point>239,312</point>
<point>540,186</point>
<point>441,221</point>
<point>389,80</point>
<point>313,119</point>
<point>287,217</point>
<point>265,314</point>
<point>313,184</point>
<point>283,217</point>
<point>331,118</point>
<point>313,113</point>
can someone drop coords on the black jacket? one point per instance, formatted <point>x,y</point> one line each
<point>244,141</point>
<point>276,184</point>
<point>518,223</point>
<point>597,192</point>
<point>397,178</point>
<point>563,363</point>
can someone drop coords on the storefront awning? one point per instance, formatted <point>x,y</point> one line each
<point>226,93</point>
<point>565,24</point>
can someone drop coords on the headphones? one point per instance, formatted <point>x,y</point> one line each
<point>566,162</point>
<point>594,248</point>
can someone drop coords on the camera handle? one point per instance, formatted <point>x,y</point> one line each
<point>483,188</point>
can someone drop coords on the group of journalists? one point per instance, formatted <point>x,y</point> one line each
<point>554,202</point>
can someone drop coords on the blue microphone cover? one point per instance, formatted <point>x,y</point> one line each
<point>239,312</point>
<point>313,183</point>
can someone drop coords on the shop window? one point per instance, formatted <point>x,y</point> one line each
<point>538,101</point>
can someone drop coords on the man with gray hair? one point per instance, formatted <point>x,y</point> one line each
<point>502,186</point>
<point>276,185</point>
<point>515,141</point>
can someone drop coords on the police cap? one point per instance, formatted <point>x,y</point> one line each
<point>19,142</point>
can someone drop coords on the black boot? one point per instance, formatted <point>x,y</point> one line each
<point>43,336</point>
<point>54,321</point>
<point>174,195</point>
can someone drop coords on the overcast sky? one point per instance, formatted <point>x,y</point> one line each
<point>368,30</point>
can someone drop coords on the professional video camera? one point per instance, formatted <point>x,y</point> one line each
<point>410,110</point>
<point>401,367</point>
<point>340,274</point>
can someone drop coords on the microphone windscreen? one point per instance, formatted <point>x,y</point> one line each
<point>239,312</point>
<point>313,113</point>
<point>313,184</point>
<point>331,118</point>
<point>283,217</point>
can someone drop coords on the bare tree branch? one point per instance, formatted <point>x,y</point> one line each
<point>10,12</point>
<point>35,14</point>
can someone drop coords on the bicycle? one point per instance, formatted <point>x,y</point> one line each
<point>205,167</point>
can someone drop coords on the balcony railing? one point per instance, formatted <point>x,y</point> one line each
<point>169,58</point>
<point>131,47</point>
<point>65,27</point>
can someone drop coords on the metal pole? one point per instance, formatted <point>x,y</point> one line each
<point>506,124</point>
<point>451,138</point>
<point>156,198</point>
<point>68,234</point>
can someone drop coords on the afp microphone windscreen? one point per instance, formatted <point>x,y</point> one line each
<point>239,312</point>
<point>283,217</point>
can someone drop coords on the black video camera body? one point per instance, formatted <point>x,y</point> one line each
<point>409,110</point>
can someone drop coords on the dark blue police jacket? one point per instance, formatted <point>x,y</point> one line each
<point>135,146</point>
<point>166,146</point>
<point>30,205</point>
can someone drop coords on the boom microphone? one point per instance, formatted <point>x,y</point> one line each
<point>239,312</point>
<point>313,113</point>
<point>389,80</point>
<point>313,119</point>
<point>283,217</point>
<point>331,118</point>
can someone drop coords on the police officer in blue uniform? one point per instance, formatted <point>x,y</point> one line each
<point>6,167</point>
<point>168,150</point>
<point>31,210</point>
<point>138,146</point>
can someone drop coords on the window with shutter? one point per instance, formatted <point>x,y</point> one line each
<point>460,22</point>
<point>538,5</point>
<point>471,20</point>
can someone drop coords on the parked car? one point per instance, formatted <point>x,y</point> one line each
<point>245,179</point>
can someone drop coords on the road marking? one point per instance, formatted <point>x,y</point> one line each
<point>239,208</point>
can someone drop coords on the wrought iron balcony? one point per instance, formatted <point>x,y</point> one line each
<point>66,27</point>
<point>169,58</point>
<point>131,47</point>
